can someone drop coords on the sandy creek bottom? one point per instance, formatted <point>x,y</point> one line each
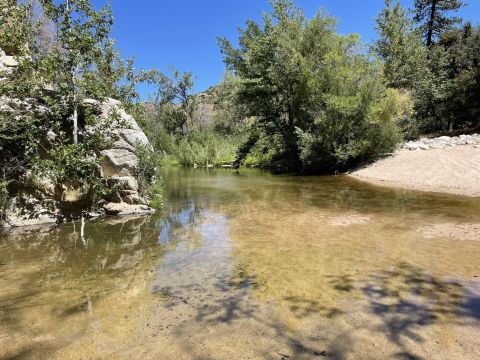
<point>251,266</point>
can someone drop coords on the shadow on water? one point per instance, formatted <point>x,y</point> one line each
<point>185,260</point>
<point>402,304</point>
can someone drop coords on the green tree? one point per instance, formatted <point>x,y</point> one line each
<point>399,46</point>
<point>14,26</point>
<point>174,100</point>
<point>461,107</point>
<point>314,94</point>
<point>432,17</point>
<point>82,33</point>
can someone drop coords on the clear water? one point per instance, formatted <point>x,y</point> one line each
<point>247,265</point>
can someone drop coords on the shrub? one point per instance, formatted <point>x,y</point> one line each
<point>207,149</point>
<point>317,98</point>
<point>149,181</point>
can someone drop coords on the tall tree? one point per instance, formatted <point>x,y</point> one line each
<point>175,100</point>
<point>399,46</point>
<point>314,94</point>
<point>461,107</point>
<point>432,17</point>
<point>82,33</point>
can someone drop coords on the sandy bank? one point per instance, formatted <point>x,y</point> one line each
<point>450,170</point>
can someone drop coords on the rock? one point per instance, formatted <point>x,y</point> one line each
<point>411,146</point>
<point>9,61</point>
<point>443,142</point>
<point>133,199</point>
<point>127,209</point>
<point>29,212</point>
<point>124,183</point>
<point>443,139</point>
<point>118,162</point>
<point>132,137</point>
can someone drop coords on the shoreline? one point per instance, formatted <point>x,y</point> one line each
<point>453,171</point>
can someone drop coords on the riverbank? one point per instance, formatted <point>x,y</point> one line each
<point>446,164</point>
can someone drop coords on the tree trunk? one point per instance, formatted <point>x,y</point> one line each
<point>431,22</point>
<point>74,90</point>
<point>75,125</point>
<point>75,112</point>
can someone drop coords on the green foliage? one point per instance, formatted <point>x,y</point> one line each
<point>229,114</point>
<point>157,197</point>
<point>174,100</point>
<point>74,164</point>
<point>14,26</point>
<point>149,181</point>
<point>146,168</point>
<point>431,15</point>
<point>441,77</point>
<point>185,129</point>
<point>82,62</point>
<point>207,148</point>
<point>400,47</point>
<point>19,141</point>
<point>313,93</point>
<point>461,107</point>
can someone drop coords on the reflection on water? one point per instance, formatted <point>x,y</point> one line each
<point>246,265</point>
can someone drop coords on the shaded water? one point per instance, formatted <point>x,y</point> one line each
<point>250,266</point>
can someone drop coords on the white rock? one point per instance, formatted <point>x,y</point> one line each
<point>411,146</point>
<point>127,209</point>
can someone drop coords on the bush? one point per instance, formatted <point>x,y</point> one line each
<point>150,183</point>
<point>320,102</point>
<point>207,148</point>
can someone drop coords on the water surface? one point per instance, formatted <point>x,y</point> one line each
<point>247,265</point>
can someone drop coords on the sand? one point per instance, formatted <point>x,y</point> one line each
<point>454,171</point>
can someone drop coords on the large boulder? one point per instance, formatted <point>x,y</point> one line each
<point>119,162</point>
<point>125,135</point>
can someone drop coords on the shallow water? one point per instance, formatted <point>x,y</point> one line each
<point>247,265</point>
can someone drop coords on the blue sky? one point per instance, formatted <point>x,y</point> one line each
<point>183,33</point>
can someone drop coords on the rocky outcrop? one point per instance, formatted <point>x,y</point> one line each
<point>118,162</point>
<point>443,142</point>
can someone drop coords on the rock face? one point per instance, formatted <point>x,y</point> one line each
<point>443,142</point>
<point>118,163</point>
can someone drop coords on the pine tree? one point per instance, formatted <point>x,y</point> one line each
<point>432,18</point>
<point>399,46</point>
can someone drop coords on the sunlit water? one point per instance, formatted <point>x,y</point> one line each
<point>247,265</point>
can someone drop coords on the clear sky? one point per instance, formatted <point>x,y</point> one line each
<point>183,33</point>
